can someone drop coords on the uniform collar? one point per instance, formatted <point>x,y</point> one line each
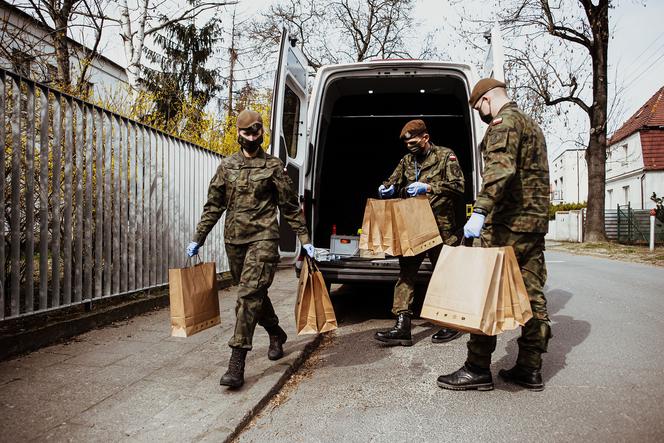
<point>505,107</point>
<point>428,159</point>
<point>255,162</point>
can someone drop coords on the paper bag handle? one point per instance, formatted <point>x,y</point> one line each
<point>193,261</point>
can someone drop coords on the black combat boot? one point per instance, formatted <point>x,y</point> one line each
<point>445,335</point>
<point>234,377</point>
<point>399,334</point>
<point>277,338</point>
<point>529,378</point>
<point>467,378</point>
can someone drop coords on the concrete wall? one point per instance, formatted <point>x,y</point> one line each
<point>568,226</point>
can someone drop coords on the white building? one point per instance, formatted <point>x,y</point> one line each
<point>635,157</point>
<point>569,177</point>
<point>27,49</point>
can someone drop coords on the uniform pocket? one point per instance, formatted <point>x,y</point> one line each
<point>497,140</point>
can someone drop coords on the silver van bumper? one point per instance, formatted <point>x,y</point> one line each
<point>366,271</point>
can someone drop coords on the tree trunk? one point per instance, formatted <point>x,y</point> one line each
<point>62,51</point>
<point>596,152</point>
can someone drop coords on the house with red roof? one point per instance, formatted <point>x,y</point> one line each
<point>635,157</point>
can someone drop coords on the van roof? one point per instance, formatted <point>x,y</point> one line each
<point>395,64</point>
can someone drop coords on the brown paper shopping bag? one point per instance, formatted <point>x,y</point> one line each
<point>492,301</point>
<point>371,239</point>
<point>391,244</point>
<point>313,311</point>
<point>194,299</point>
<point>415,224</point>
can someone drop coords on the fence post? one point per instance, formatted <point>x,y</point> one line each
<point>618,215</point>
<point>653,212</point>
<point>629,223</point>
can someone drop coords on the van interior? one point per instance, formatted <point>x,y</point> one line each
<point>358,143</point>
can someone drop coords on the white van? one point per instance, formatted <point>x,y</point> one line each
<point>341,141</point>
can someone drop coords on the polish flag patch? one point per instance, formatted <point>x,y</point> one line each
<point>497,121</point>
<point>452,157</point>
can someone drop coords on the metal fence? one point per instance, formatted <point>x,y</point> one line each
<point>94,204</point>
<point>633,225</point>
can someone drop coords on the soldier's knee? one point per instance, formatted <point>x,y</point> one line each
<point>537,333</point>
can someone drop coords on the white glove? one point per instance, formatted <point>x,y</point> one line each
<point>310,249</point>
<point>473,226</point>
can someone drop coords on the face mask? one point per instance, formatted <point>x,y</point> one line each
<point>415,149</point>
<point>248,145</point>
<point>486,118</point>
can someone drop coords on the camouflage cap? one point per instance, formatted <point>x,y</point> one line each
<point>412,129</point>
<point>248,118</point>
<point>482,87</point>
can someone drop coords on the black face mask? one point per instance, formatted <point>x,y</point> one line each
<point>486,118</point>
<point>415,149</point>
<point>250,146</point>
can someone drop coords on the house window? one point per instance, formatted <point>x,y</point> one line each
<point>626,192</point>
<point>625,154</point>
<point>609,164</point>
<point>609,198</point>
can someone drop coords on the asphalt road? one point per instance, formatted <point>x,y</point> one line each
<point>604,371</point>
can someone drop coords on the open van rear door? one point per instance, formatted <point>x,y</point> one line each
<point>494,61</point>
<point>289,127</point>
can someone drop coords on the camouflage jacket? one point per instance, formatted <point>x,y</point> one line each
<point>441,170</point>
<point>515,181</point>
<point>251,190</point>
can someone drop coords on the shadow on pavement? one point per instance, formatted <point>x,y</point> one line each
<point>568,332</point>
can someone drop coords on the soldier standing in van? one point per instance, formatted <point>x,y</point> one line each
<point>250,185</point>
<point>511,210</point>
<point>433,171</point>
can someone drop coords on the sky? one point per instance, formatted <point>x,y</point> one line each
<point>636,50</point>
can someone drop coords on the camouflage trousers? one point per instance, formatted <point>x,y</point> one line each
<point>535,334</point>
<point>252,267</point>
<point>404,290</point>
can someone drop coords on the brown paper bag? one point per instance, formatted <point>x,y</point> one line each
<point>491,301</point>
<point>313,311</point>
<point>194,299</point>
<point>371,238</point>
<point>413,220</point>
<point>391,244</point>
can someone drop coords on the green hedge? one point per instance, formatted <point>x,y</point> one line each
<point>564,207</point>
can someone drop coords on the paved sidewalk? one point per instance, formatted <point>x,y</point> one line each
<point>131,381</point>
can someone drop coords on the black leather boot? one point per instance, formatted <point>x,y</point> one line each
<point>399,334</point>
<point>467,378</point>
<point>529,378</point>
<point>234,377</point>
<point>277,338</point>
<point>445,335</point>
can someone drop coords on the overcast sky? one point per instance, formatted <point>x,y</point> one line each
<point>636,51</point>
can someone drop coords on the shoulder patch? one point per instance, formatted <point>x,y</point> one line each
<point>497,121</point>
<point>452,157</point>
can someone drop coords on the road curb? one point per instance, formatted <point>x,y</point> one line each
<point>309,348</point>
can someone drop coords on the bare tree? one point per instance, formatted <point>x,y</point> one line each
<point>376,28</point>
<point>64,17</point>
<point>143,18</point>
<point>557,60</point>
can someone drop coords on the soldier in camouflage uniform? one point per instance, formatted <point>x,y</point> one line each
<point>434,171</point>
<point>512,206</point>
<point>250,186</point>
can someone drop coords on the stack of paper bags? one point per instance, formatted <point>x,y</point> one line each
<point>478,290</point>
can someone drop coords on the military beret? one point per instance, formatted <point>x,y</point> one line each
<point>248,118</point>
<point>482,87</point>
<point>412,129</point>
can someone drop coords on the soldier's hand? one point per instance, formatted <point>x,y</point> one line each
<point>473,226</point>
<point>385,192</point>
<point>416,188</point>
<point>192,249</point>
<point>310,249</point>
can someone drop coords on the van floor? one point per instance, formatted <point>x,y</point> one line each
<point>359,153</point>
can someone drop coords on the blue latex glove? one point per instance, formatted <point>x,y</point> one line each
<point>385,192</point>
<point>192,249</point>
<point>473,226</point>
<point>416,188</point>
<point>310,249</point>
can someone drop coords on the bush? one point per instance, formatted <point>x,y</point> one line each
<point>564,207</point>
